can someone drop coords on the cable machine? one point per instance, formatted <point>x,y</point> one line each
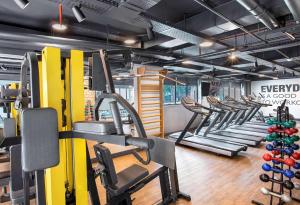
<point>59,157</point>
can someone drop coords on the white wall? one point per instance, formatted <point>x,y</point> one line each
<point>176,118</point>
<point>275,91</point>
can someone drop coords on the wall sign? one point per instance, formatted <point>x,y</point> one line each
<point>275,91</point>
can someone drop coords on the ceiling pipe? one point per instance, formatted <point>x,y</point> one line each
<point>260,13</point>
<point>294,7</point>
<point>263,15</point>
<point>205,5</point>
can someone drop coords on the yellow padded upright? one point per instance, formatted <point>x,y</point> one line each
<point>53,93</point>
<point>69,142</point>
<point>77,114</point>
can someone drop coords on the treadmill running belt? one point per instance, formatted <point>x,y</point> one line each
<point>239,135</point>
<point>241,127</point>
<point>246,132</point>
<point>214,143</point>
<point>233,140</point>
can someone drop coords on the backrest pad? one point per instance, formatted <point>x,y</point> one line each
<point>104,158</point>
<point>40,146</point>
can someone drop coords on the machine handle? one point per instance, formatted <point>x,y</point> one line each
<point>144,144</point>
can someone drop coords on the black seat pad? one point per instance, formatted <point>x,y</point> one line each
<point>129,177</point>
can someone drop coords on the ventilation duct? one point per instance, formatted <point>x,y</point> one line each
<point>261,14</point>
<point>294,7</point>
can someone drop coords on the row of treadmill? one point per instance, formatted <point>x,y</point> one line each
<point>226,127</point>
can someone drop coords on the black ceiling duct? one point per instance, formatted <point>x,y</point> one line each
<point>294,7</point>
<point>22,3</point>
<point>261,14</point>
<point>150,33</point>
<point>79,15</point>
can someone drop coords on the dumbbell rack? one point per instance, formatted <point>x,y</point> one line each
<point>283,154</point>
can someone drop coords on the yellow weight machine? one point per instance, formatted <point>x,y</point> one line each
<point>57,83</point>
<point>61,87</point>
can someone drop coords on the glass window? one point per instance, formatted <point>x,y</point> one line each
<point>130,94</point>
<point>117,90</point>
<point>237,93</point>
<point>243,88</point>
<point>221,93</point>
<point>226,92</point>
<point>123,93</point>
<point>231,92</point>
<point>180,92</point>
<point>169,94</point>
<point>127,92</point>
<point>192,92</point>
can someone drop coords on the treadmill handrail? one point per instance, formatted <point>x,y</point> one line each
<point>236,101</point>
<point>194,106</point>
<point>216,103</point>
<point>236,105</point>
<point>242,106</point>
<point>248,100</point>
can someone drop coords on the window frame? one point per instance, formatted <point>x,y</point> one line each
<point>173,102</point>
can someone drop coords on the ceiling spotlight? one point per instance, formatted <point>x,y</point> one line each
<point>59,27</point>
<point>130,41</point>
<point>289,59</point>
<point>118,78</point>
<point>22,3</point>
<point>290,36</point>
<point>206,44</point>
<point>79,15</point>
<point>232,57</point>
<point>186,62</point>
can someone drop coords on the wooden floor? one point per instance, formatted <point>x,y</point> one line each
<point>208,178</point>
<point>211,179</point>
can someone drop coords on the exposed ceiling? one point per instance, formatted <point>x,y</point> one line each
<point>262,34</point>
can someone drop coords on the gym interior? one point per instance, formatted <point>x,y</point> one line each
<point>145,102</point>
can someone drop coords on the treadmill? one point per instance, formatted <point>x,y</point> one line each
<point>219,146</point>
<point>249,121</point>
<point>244,123</point>
<point>230,110</point>
<point>249,105</point>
